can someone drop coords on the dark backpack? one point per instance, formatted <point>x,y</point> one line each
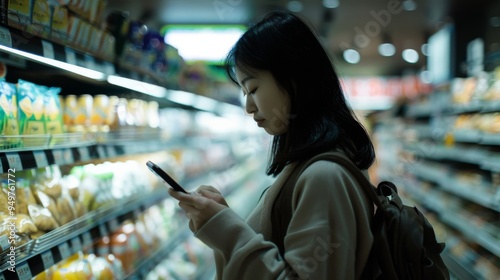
<point>404,245</point>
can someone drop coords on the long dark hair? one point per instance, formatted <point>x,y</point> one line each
<point>320,119</point>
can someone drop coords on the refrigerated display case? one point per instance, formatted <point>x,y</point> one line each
<point>180,141</point>
<point>444,153</point>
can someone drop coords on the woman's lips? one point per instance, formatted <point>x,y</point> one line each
<point>259,121</point>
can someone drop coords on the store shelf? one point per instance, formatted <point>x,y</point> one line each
<point>458,267</point>
<point>162,253</point>
<point>59,244</point>
<point>112,146</point>
<point>485,240</point>
<point>432,200</point>
<point>475,193</point>
<point>483,158</point>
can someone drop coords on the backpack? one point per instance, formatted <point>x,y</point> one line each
<point>404,244</point>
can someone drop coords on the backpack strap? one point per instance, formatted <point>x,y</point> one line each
<point>282,207</point>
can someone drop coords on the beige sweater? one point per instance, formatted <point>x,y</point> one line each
<point>328,237</point>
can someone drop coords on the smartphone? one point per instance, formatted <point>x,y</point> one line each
<point>162,174</point>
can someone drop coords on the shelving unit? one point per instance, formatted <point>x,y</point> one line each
<point>450,172</point>
<point>27,52</point>
<point>40,254</point>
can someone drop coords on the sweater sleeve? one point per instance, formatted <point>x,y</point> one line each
<point>320,242</point>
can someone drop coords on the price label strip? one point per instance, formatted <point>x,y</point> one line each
<point>14,161</point>
<point>4,242</point>
<point>103,231</point>
<point>5,37</point>
<point>113,224</point>
<point>76,244</point>
<point>70,56</point>
<point>58,157</point>
<point>40,159</point>
<point>101,151</point>
<point>68,156</point>
<point>111,151</point>
<point>84,153</point>
<point>48,259</point>
<point>64,251</point>
<point>87,240</point>
<point>48,49</point>
<point>24,272</point>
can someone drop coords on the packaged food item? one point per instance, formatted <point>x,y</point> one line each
<point>19,13</point>
<point>116,265</point>
<point>4,198</point>
<point>31,112</point>
<point>24,196</point>
<point>101,268</point>
<point>119,242</point>
<point>83,109</point>
<point>66,209</point>
<point>8,114</point>
<point>99,110</point>
<point>24,224</point>
<point>47,202</point>
<point>42,218</point>
<point>53,111</point>
<point>69,109</point>
<point>50,188</point>
<point>40,24</point>
<point>60,22</point>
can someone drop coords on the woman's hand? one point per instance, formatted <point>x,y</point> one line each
<point>201,205</point>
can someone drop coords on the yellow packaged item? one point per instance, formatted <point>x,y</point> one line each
<point>84,109</point>
<point>53,111</point>
<point>47,202</point>
<point>9,125</point>
<point>100,110</point>
<point>66,207</point>
<point>19,13</point>
<point>24,197</point>
<point>40,25</point>
<point>42,218</point>
<point>31,115</point>
<point>60,21</point>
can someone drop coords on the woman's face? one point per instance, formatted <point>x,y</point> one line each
<point>265,100</point>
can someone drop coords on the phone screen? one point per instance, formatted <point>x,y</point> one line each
<point>162,174</point>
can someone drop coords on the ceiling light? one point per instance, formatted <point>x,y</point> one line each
<point>425,49</point>
<point>495,21</point>
<point>294,6</point>
<point>386,49</point>
<point>409,5</point>
<point>425,77</point>
<point>410,55</point>
<point>351,56</point>
<point>331,4</point>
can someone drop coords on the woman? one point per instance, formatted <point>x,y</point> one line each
<point>294,94</point>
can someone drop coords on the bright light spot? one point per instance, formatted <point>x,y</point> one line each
<point>425,49</point>
<point>386,49</point>
<point>425,76</point>
<point>294,6</point>
<point>410,55</point>
<point>203,44</point>
<point>409,5</point>
<point>352,56</point>
<point>331,4</point>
